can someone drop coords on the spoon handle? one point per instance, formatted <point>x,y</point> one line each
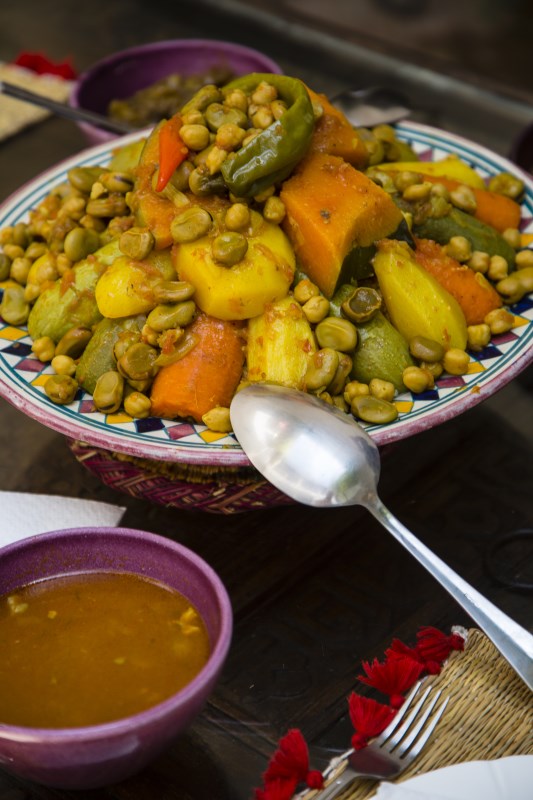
<point>63,110</point>
<point>514,642</point>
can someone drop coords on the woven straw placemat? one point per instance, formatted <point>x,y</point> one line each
<point>489,715</point>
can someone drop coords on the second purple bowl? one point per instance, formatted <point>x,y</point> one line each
<point>122,74</point>
<point>97,755</point>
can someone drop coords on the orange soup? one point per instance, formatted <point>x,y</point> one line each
<point>94,647</point>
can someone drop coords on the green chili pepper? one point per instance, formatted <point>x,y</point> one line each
<point>272,155</point>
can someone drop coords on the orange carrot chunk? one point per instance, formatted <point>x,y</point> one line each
<point>206,377</point>
<point>471,289</point>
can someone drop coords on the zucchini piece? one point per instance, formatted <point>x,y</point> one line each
<point>70,302</point>
<point>97,357</point>
<point>381,352</point>
<point>459,223</point>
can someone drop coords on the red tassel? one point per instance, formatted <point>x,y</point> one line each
<point>368,717</point>
<point>392,677</point>
<point>400,650</point>
<point>434,645</point>
<point>41,64</point>
<point>290,763</point>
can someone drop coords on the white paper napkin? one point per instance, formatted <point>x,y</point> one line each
<point>16,114</point>
<point>23,515</point>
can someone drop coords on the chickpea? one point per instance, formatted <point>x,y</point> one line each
<point>384,390</point>
<point>44,348</point>
<point>479,261</point>
<point>403,180</point>
<point>194,117</point>
<point>63,365</point>
<point>459,248</point>
<point>61,389</point>
<point>195,136</point>
<point>237,217</point>
<point>499,321</point>
<point>456,361</point>
<point>440,190</point>
<point>524,258</point>
<point>263,196</point>
<point>478,336</point>
<point>511,288</point>
<point>274,210</point>
<point>417,191</point>
<point>417,379</point>
<point>305,290</point>
<point>512,237</point>
<point>229,136</point>
<point>355,389</point>
<point>218,419</point>
<point>316,308</point>
<point>138,405</point>
<point>20,268</point>
<point>498,268</point>
<point>463,197</point>
<point>236,98</point>
<point>264,93</point>
<point>435,368</point>
<point>278,108</point>
<point>263,117</point>
<point>215,159</point>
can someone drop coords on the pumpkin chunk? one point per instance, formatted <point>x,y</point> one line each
<point>331,208</point>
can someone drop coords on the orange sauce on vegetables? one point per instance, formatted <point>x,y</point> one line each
<point>94,647</point>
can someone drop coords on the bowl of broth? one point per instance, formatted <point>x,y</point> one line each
<point>143,84</point>
<point>112,640</point>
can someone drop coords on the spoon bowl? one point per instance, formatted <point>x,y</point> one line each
<point>375,105</point>
<point>322,457</point>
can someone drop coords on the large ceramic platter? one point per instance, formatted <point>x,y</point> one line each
<point>22,377</point>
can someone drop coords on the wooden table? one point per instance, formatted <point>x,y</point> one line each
<point>314,592</point>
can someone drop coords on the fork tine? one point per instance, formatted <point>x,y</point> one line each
<point>400,714</point>
<point>412,726</point>
<point>417,747</point>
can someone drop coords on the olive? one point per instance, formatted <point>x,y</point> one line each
<point>136,243</point>
<point>190,225</point>
<point>338,333</point>
<point>14,309</point>
<point>373,409</point>
<point>73,342</point>
<point>138,362</point>
<point>108,392</point>
<point>321,369</point>
<point>173,291</point>
<point>80,242</point>
<point>229,248</point>
<point>61,389</point>
<point>363,304</point>
<point>171,315</point>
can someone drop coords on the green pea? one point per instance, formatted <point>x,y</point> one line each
<point>229,248</point>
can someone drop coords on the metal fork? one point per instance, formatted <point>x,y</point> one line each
<point>395,748</point>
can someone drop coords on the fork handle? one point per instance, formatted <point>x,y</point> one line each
<point>514,642</point>
<point>341,782</point>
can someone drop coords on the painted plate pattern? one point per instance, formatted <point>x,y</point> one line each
<point>22,376</point>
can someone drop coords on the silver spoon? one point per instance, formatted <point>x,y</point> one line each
<point>64,110</point>
<point>373,106</point>
<point>320,456</point>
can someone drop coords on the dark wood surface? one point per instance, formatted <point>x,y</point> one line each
<point>313,592</point>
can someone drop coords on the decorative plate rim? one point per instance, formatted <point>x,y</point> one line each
<point>182,442</point>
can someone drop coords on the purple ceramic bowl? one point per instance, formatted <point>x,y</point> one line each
<point>122,74</point>
<point>97,755</point>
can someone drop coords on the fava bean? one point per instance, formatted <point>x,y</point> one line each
<point>229,248</point>
<point>138,362</point>
<point>321,369</point>
<point>190,225</point>
<point>137,243</point>
<point>373,410</point>
<point>338,333</point>
<point>108,392</point>
<point>174,315</point>
<point>14,309</point>
<point>74,342</point>
<point>80,242</point>
<point>425,349</point>
<point>173,291</point>
<point>362,305</point>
